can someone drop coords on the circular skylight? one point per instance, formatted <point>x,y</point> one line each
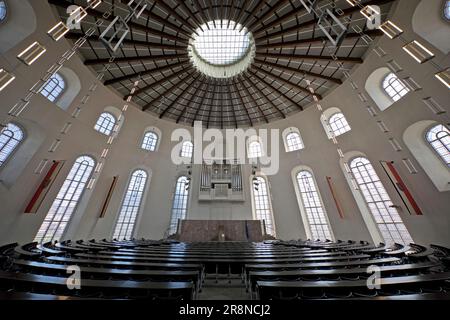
<point>221,42</point>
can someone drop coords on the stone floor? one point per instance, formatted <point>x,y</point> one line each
<point>223,289</point>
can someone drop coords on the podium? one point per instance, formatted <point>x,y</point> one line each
<point>220,230</point>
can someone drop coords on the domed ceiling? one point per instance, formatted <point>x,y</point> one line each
<point>227,63</point>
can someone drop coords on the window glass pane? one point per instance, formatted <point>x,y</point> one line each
<point>312,205</point>
<point>150,141</point>
<point>65,203</point>
<point>105,123</point>
<point>447,10</point>
<point>254,149</point>
<point>439,139</point>
<point>262,208</point>
<point>10,138</point>
<point>385,215</point>
<point>294,142</point>
<point>186,149</point>
<point>180,201</point>
<point>394,87</point>
<point>3,10</point>
<point>130,205</point>
<point>339,124</point>
<point>53,88</point>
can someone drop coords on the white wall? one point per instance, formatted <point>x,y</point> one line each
<point>319,153</point>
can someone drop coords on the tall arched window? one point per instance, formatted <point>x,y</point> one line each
<point>447,10</point>
<point>54,87</point>
<point>10,138</point>
<point>180,203</point>
<point>294,142</point>
<point>439,138</point>
<point>312,205</point>
<point>187,149</point>
<point>150,141</point>
<point>3,11</point>
<point>262,205</point>
<point>66,201</point>
<point>339,124</point>
<point>386,216</point>
<point>105,123</point>
<point>130,205</point>
<point>254,149</point>
<point>393,87</point>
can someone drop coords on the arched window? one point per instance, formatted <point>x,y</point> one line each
<point>312,205</point>
<point>447,10</point>
<point>105,123</point>
<point>254,149</point>
<point>339,124</point>
<point>380,205</point>
<point>393,87</point>
<point>439,138</point>
<point>294,142</point>
<point>54,87</point>
<point>10,138</point>
<point>262,205</point>
<point>186,149</point>
<point>3,11</point>
<point>180,203</point>
<point>150,141</point>
<point>130,205</point>
<point>66,201</point>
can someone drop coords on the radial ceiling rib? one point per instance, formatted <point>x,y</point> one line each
<point>242,100</point>
<point>301,57</point>
<point>162,80</point>
<point>269,12</point>
<point>98,14</point>
<point>161,57</point>
<point>180,95</point>
<point>255,74</point>
<point>191,100</point>
<point>143,73</point>
<point>297,71</point>
<point>262,94</point>
<point>287,82</point>
<point>255,11</point>
<point>294,29</point>
<point>127,42</point>
<point>295,43</point>
<point>170,11</point>
<point>254,101</point>
<point>232,105</point>
<point>212,102</point>
<point>202,12</point>
<point>162,94</point>
<point>201,102</point>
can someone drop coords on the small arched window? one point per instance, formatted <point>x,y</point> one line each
<point>105,123</point>
<point>439,138</point>
<point>385,214</point>
<point>262,206</point>
<point>294,142</point>
<point>254,149</point>
<point>54,87</point>
<point>3,11</point>
<point>447,10</point>
<point>131,205</point>
<point>180,203</point>
<point>312,205</point>
<point>187,149</point>
<point>65,203</point>
<point>393,87</point>
<point>10,138</point>
<point>150,141</point>
<point>339,124</point>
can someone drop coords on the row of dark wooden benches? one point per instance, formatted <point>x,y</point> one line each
<point>149,269</point>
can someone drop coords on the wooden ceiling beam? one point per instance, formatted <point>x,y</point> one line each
<point>301,57</point>
<point>143,73</point>
<point>233,82</point>
<point>255,74</point>
<point>254,101</point>
<point>161,57</point>
<point>280,4</point>
<point>299,71</point>
<point>201,83</point>
<point>175,14</point>
<point>208,83</point>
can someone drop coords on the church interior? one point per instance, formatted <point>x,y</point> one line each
<point>268,150</point>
